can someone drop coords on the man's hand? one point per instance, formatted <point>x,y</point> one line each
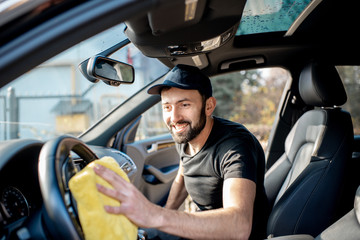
<point>231,222</point>
<point>134,204</point>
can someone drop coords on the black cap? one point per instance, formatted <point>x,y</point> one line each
<point>185,77</point>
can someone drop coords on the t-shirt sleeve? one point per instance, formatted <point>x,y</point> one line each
<point>239,161</point>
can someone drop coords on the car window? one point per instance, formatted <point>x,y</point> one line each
<point>249,97</point>
<point>261,16</point>
<point>151,124</point>
<point>54,98</point>
<point>350,76</point>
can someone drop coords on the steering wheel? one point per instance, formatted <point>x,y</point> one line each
<point>60,216</point>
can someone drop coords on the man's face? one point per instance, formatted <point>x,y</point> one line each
<point>183,113</point>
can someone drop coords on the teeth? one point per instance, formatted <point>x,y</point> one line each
<point>179,127</point>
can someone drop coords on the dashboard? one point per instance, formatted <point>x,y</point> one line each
<point>21,203</point>
<point>20,195</point>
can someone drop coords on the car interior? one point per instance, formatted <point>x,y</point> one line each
<point>313,146</point>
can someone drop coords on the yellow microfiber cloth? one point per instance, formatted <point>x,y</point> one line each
<point>96,223</point>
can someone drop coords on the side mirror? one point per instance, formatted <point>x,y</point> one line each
<point>110,71</point>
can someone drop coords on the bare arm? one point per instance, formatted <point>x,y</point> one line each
<point>234,221</point>
<point>178,191</point>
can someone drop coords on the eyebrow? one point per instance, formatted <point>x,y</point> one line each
<point>179,101</point>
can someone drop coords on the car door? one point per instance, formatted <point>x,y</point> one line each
<point>154,155</point>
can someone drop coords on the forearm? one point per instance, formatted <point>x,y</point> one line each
<point>234,221</point>
<point>229,223</point>
<point>178,192</point>
<point>176,196</point>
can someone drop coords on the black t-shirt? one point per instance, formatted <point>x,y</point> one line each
<point>231,151</point>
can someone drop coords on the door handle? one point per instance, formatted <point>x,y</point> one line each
<point>160,145</point>
<point>155,175</point>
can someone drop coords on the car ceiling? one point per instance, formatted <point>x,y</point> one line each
<point>326,34</point>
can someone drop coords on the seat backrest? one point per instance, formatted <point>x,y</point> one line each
<point>304,185</point>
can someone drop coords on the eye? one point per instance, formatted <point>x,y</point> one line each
<point>185,105</point>
<point>167,108</point>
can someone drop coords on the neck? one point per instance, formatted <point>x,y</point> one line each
<point>197,143</point>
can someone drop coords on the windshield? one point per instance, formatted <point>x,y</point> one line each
<point>54,98</point>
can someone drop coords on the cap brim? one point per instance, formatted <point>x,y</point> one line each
<point>156,89</point>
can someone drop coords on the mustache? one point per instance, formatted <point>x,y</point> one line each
<point>171,124</point>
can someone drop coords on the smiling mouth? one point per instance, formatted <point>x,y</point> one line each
<point>179,127</point>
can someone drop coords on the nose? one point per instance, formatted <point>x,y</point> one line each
<point>175,115</point>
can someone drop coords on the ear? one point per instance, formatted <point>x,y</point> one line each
<point>210,106</point>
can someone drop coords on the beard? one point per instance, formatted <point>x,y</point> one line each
<point>193,131</point>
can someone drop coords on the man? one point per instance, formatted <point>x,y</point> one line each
<point>222,168</point>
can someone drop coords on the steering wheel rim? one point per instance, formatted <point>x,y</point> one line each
<point>60,218</point>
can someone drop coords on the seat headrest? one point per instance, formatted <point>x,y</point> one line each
<point>357,204</point>
<point>321,86</point>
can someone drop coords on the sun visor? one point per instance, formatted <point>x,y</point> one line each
<point>178,15</point>
<point>182,23</point>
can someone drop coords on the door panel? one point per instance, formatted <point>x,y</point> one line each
<point>157,162</point>
<point>155,155</point>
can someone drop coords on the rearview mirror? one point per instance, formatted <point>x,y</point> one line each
<point>110,71</point>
